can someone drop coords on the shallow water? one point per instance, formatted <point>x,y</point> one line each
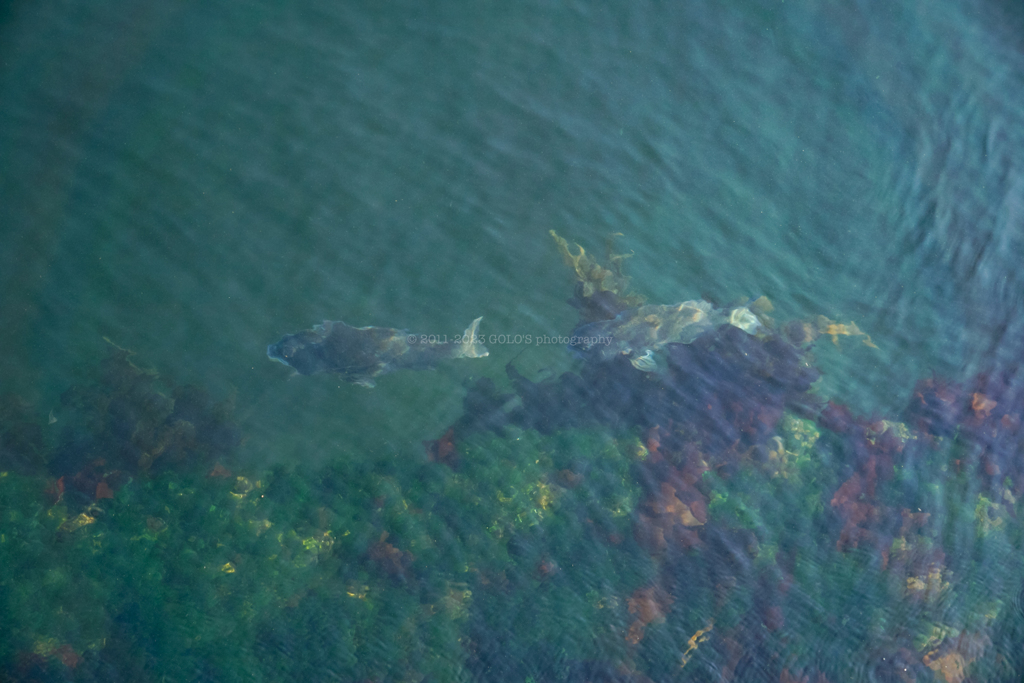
<point>194,181</point>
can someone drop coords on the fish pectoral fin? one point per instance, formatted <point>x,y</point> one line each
<point>645,363</point>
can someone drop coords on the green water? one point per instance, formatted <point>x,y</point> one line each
<point>194,180</point>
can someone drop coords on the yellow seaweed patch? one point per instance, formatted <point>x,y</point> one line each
<point>357,591</point>
<point>76,523</point>
<point>592,275</point>
<point>699,637</point>
<point>927,586</point>
<point>951,659</point>
<point>836,330</point>
<point>988,515</point>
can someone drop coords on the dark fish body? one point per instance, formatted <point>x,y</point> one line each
<point>358,354</point>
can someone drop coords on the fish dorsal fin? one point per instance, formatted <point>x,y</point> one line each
<point>472,343</point>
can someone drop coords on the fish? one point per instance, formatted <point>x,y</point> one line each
<point>639,333</point>
<point>360,354</point>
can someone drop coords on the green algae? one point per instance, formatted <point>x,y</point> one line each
<point>207,569</point>
<point>529,556</point>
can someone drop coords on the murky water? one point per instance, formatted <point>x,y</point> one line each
<point>194,181</point>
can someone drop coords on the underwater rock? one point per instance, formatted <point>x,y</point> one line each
<point>129,421</point>
<point>727,387</point>
<point>614,394</point>
<point>984,415</point>
<point>728,379</point>
<point>359,354</point>
<point>731,388</point>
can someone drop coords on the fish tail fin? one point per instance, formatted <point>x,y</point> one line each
<point>472,343</point>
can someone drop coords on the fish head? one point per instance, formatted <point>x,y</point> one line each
<point>298,351</point>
